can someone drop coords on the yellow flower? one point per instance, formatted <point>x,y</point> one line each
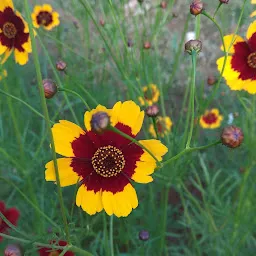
<point>151,95</point>
<point>45,16</point>
<point>163,125</point>
<point>211,119</point>
<point>3,74</point>
<point>105,164</point>
<point>240,68</point>
<point>14,34</point>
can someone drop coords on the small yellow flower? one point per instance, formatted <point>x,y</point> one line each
<point>163,125</point>
<point>3,74</point>
<point>45,16</point>
<point>211,119</point>
<point>151,95</point>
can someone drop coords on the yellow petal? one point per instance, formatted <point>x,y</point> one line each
<point>253,13</point>
<point>141,178</point>
<point>155,147</point>
<point>229,73</point>
<point>251,30</point>
<point>143,171</point>
<point>3,48</point>
<point>90,201</point>
<point>128,113</point>
<point>253,1</point>
<point>27,46</point>
<point>120,203</point>
<point>64,133</point>
<point>67,175</point>
<point>235,84</point>
<point>5,3</point>
<point>152,131</point>
<point>47,8</point>
<point>55,17</point>
<point>88,115</point>
<point>37,10</point>
<point>250,86</point>
<point>7,54</point>
<point>228,39</point>
<point>21,57</point>
<point>215,111</point>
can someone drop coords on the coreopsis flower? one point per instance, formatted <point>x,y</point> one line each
<point>163,125</point>
<point>14,34</point>
<point>211,119</point>
<point>240,68</point>
<point>253,13</point>
<point>45,16</point>
<point>54,252</point>
<point>3,74</point>
<point>151,95</point>
<point>105,163</point>
<point>11,214</point>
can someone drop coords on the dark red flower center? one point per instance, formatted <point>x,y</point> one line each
<point>149,94</point>
<point>210,118</point>
<point>251,60</point>
<point>108,161</point>
<point>1,221</point>
<point>9,30</point>
<point>44,18</point>
<point>54,253</point>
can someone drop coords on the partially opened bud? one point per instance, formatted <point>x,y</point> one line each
<point>100,122</point>
<point>152,111</point>
<point>196,7</point>
<point>144,235</point>
<point>163,4</point>
<point>224,1</point>
<point>147,45</point>
<point>232,136</point>
<point>13,250</point>
<point>193,45</point>
<point>102,22</point>
<point>61,65</point>
<point>211,80</point>
<point>50,88</point>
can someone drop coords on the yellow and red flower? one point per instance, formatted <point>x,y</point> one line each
<point>53,252</point>
<point>45,16</point>
<point>11,214</point>
<point>105,164</point>
<point>151,95</point>
<point>163,125</point>
<point>211,119</point>
<point>240,68</point>
<point>14,34</point>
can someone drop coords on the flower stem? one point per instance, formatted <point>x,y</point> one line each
<point>46,114</point>
<point>217,9</point>
<point>192,99</point>
<point>111,236</point>
<point>155,127</point>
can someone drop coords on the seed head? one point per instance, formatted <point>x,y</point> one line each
<point>152,111</point>
<point>232,136</point>
<point>193,45</point>
<point>196,7</point>
<point>50,88</point>
<point>144,235</point>
<point>211,80</point>
<point>13,250</point>
<point>61,65</point>
<point>100,122</point>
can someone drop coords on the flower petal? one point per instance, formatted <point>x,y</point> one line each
<point>66,173</point>
<point>5,3</point>
<point>121,203</point>
<point>47,8</point>
<point>128,113</point>
<point>253,14</point>
<point>251,30</point>
<point>90,201</point>
<point>64,133</point>
<point>21,57</point>
<point>3,48</point>
<point>229,73</point>
<point>7,54</point>
<point>228,39</point>
<point>250,86</point>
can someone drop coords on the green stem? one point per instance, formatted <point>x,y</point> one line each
<point>217,9</point>
<point>111,242</point>
<point>197,29</point>
<point>192,99</point>
<point>114,129</point>
<point>46,114</point>
<point>155,127</point>
<point>76,94</point>
<point>188,150</point>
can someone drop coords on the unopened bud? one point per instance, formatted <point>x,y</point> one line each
<point>130,43</point>
<point>147,45</point>
<point>193,45</point>
<point>196,7</point>
<point>13,250</point>
<point>100,122</point>
<point>50,88</point>
<point>61,65</point>
<point>232,136</point>
<point>152,111</point>
<point>163,4</point>
<point>144,235</point>
<point>211,80</point>
<point>102,22</point>
<point>224,1</point>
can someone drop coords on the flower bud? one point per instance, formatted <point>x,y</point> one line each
<point>232,136</point>
<point>163,4</point>
<point>102,22</point>
<point>147,45</point>
<point>13,250</point>
<point>211,80</point>
<point>61,65</point>
<point>196,7</point>
<point>224,1</point>
<point>100,122</point>
<point>130,43</point>
<point>152,111</point>
<point>144,235</point>
<point>193,45</point>
<point>50,88</point>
